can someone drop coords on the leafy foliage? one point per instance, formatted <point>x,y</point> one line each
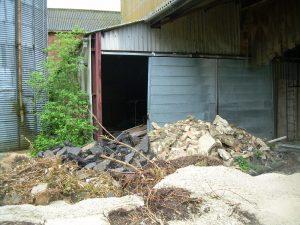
<point>243,163</point>
<point>65,117</point>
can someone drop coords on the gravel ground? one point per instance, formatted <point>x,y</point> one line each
<point>90,211</point>
<point>233,196</point>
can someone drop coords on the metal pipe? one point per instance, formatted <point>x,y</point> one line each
<point>162,54</point>
<point>20,66</point>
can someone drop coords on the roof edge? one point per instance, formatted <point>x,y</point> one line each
<point>94,10</point>
<point>116,26</point>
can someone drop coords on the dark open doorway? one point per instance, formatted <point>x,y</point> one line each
<point>287,74</point>
<point>124,91</point>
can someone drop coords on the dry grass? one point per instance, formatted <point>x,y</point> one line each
<point>65,182</point>
<point>161,206</point>
<point>144,180</point>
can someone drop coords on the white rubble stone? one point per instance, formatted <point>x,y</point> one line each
<point>205,144</point>
<point>155,126</point>
<point>177,153</point>
<point>39,189</point>
<point>224,154</point>
<point>222,125</point>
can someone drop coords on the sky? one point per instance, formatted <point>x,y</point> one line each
<point>111,5</point>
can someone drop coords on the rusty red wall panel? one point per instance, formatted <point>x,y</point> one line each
<point>97,81</point>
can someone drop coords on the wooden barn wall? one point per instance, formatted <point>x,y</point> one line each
<point>270,29</point>
<point>209,31</point>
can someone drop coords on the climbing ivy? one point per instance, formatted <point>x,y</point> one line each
<point>65,116</point>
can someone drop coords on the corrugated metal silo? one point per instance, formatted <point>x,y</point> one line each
<point>21,53</point>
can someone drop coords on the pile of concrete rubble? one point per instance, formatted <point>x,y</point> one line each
<point>197,137</point>
<point>90,156</point>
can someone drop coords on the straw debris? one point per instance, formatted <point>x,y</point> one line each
<point>65,182</point>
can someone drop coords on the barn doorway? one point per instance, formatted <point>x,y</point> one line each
<point>287,74</point>
<point>124,91</point>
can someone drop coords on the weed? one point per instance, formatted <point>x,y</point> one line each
<point>258,154</point>
<point>243,163</point>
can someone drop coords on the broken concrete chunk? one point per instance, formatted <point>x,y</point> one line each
<point>155,126</point>
<point>205,144</point>
<point>224,154</point>
<point>143,145</point>
<point>88,146</point>
<point>48,154</point>
<point>41,194</point>
<point>74,151</point>
<point>177,153</point>
<point>96,150</point>
<point>39,188</point>
<point>101,166</point>
<point>129,157</point>
<point>229,162</point>
<point>222,126</point>
<point>228,140</point>
<point>261,143</point>
<point>265,148</point>
<point>90,165</point>
<point>62,151</point>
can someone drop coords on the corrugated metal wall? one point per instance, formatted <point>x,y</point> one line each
<point>133,10</point>
<point>179,87</point>
<point>234,89</point>
<point>246,96</point>
<point>209,31</point>
<point>34,40</point>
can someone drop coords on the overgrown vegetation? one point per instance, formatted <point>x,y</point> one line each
<point>65,117</point>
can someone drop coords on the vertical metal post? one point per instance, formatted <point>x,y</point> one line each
<point>217,87</point>
<point>20,66</point>
<point>97,82</point>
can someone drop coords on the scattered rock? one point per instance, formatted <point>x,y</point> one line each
<point>191,137</point>
<point>143,145</point>
<point>39,188</point>
<point>48,153</point>
<point>222,126</point>
<point>155,126</point>
<point>224,154</point>
<point>101,166</point>
<point>90,165</point>
<point>74,151</point>
<point>96,150</point>
<point>229,162</point>
<point>206,143</point>
<point>129,157</point>
<point>62,151</point>
<point>40,194</point>
<point>89,146</point>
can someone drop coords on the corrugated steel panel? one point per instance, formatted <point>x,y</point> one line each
<point>34,40</point>
<point>133,10</point>
<point>210,31</point>
<point>239,92</point>
<point>179,87</point>
<point>246,96</point>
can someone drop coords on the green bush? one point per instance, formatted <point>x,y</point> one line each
<point>65,117</point>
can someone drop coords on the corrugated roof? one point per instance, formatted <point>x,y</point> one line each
<point>89,20</point>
